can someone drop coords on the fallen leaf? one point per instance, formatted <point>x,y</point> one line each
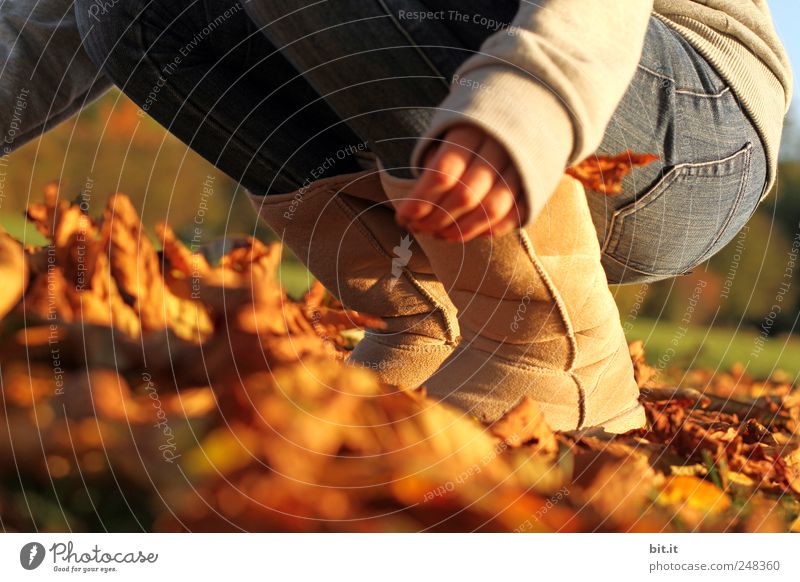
<point>695,493</point>
<point>13,273</point>
<point>605,173</point>
<point>525,424</point>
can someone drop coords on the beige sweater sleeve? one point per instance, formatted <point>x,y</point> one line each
<point>547,86</point>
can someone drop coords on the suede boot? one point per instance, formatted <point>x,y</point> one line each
<point>537,319</point>
<point>343,229</point>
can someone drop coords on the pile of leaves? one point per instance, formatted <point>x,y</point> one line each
<point>148,387</point>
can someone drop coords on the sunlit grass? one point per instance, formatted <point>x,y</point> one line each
<point>718,348</point>
<point>17,226</point>
<point>295,278</point>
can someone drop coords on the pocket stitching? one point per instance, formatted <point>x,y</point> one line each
<point>736,203</point>
<point>614,234</point>
<point>684,90</point>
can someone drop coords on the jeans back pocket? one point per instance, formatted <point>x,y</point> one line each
<point>683,219</point>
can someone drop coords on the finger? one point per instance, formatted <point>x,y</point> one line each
<point>495,208</point>
<point>514,219</point>
<point>421,200</point>
<point>430,154</point>
<point>499,207</point>
<point>502,228</point>
<point>488,164</point>
<point>444,170</point>
<point>411,205</point>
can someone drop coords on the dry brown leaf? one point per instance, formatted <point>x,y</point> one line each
<point>604,174</point>
<point>13,273</point>
<point>134,262</point>
<point>44,214</point>
<point>525,424</point>
<point>47,297</point>
<point>181,258</point>
<point>641,371</point>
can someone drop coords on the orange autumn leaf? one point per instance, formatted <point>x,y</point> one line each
<point>13,273</point>
<point>695,493</point>
<point>525,424</point>
<point>605,173</point>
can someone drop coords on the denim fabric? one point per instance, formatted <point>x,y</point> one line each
<point>203,70</point>
<point>712,171</point>
<point>381,70</point>
<point>45,77</point>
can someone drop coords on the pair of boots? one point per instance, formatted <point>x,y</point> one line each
<point>535,314</point>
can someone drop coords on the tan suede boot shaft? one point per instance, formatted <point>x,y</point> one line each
<point>343,229</point>
<point>537,319</point>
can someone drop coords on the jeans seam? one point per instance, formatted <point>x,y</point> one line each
<point>684,90</point>
<point>206,116</point>
<point>665,181</point>
<point>703,95</point>
<point>627,267</point>
<point>412,42</point>
<point>655,73</point>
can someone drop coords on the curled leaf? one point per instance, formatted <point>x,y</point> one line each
<point>605,173</point>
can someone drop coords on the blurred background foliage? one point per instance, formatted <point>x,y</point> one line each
<point>111,146</point>
<point>718,316</point>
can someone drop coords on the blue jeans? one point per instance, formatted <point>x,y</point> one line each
<point>273,93</point>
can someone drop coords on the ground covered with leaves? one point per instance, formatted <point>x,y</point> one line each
<point>148,387</point>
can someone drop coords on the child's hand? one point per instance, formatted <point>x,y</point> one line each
<point>469,188</point>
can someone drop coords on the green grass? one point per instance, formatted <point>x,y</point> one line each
<point>668,345</point>
<point>294,277</point>
<point>17,226</point>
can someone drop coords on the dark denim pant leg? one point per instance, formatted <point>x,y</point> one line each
<point>381,69</point>
<point>383,66</point>
<point>203,70</point>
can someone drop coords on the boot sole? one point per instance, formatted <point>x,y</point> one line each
<point>631,419</point>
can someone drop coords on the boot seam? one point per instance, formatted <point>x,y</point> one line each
<point>572,341</point>
<point>413,348</point>
<point>555,296</point>
<point>407,273</point>
<point>332,187</point>
<point>622,414</point>
<point>326,185</point>
<point>446,317</point>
